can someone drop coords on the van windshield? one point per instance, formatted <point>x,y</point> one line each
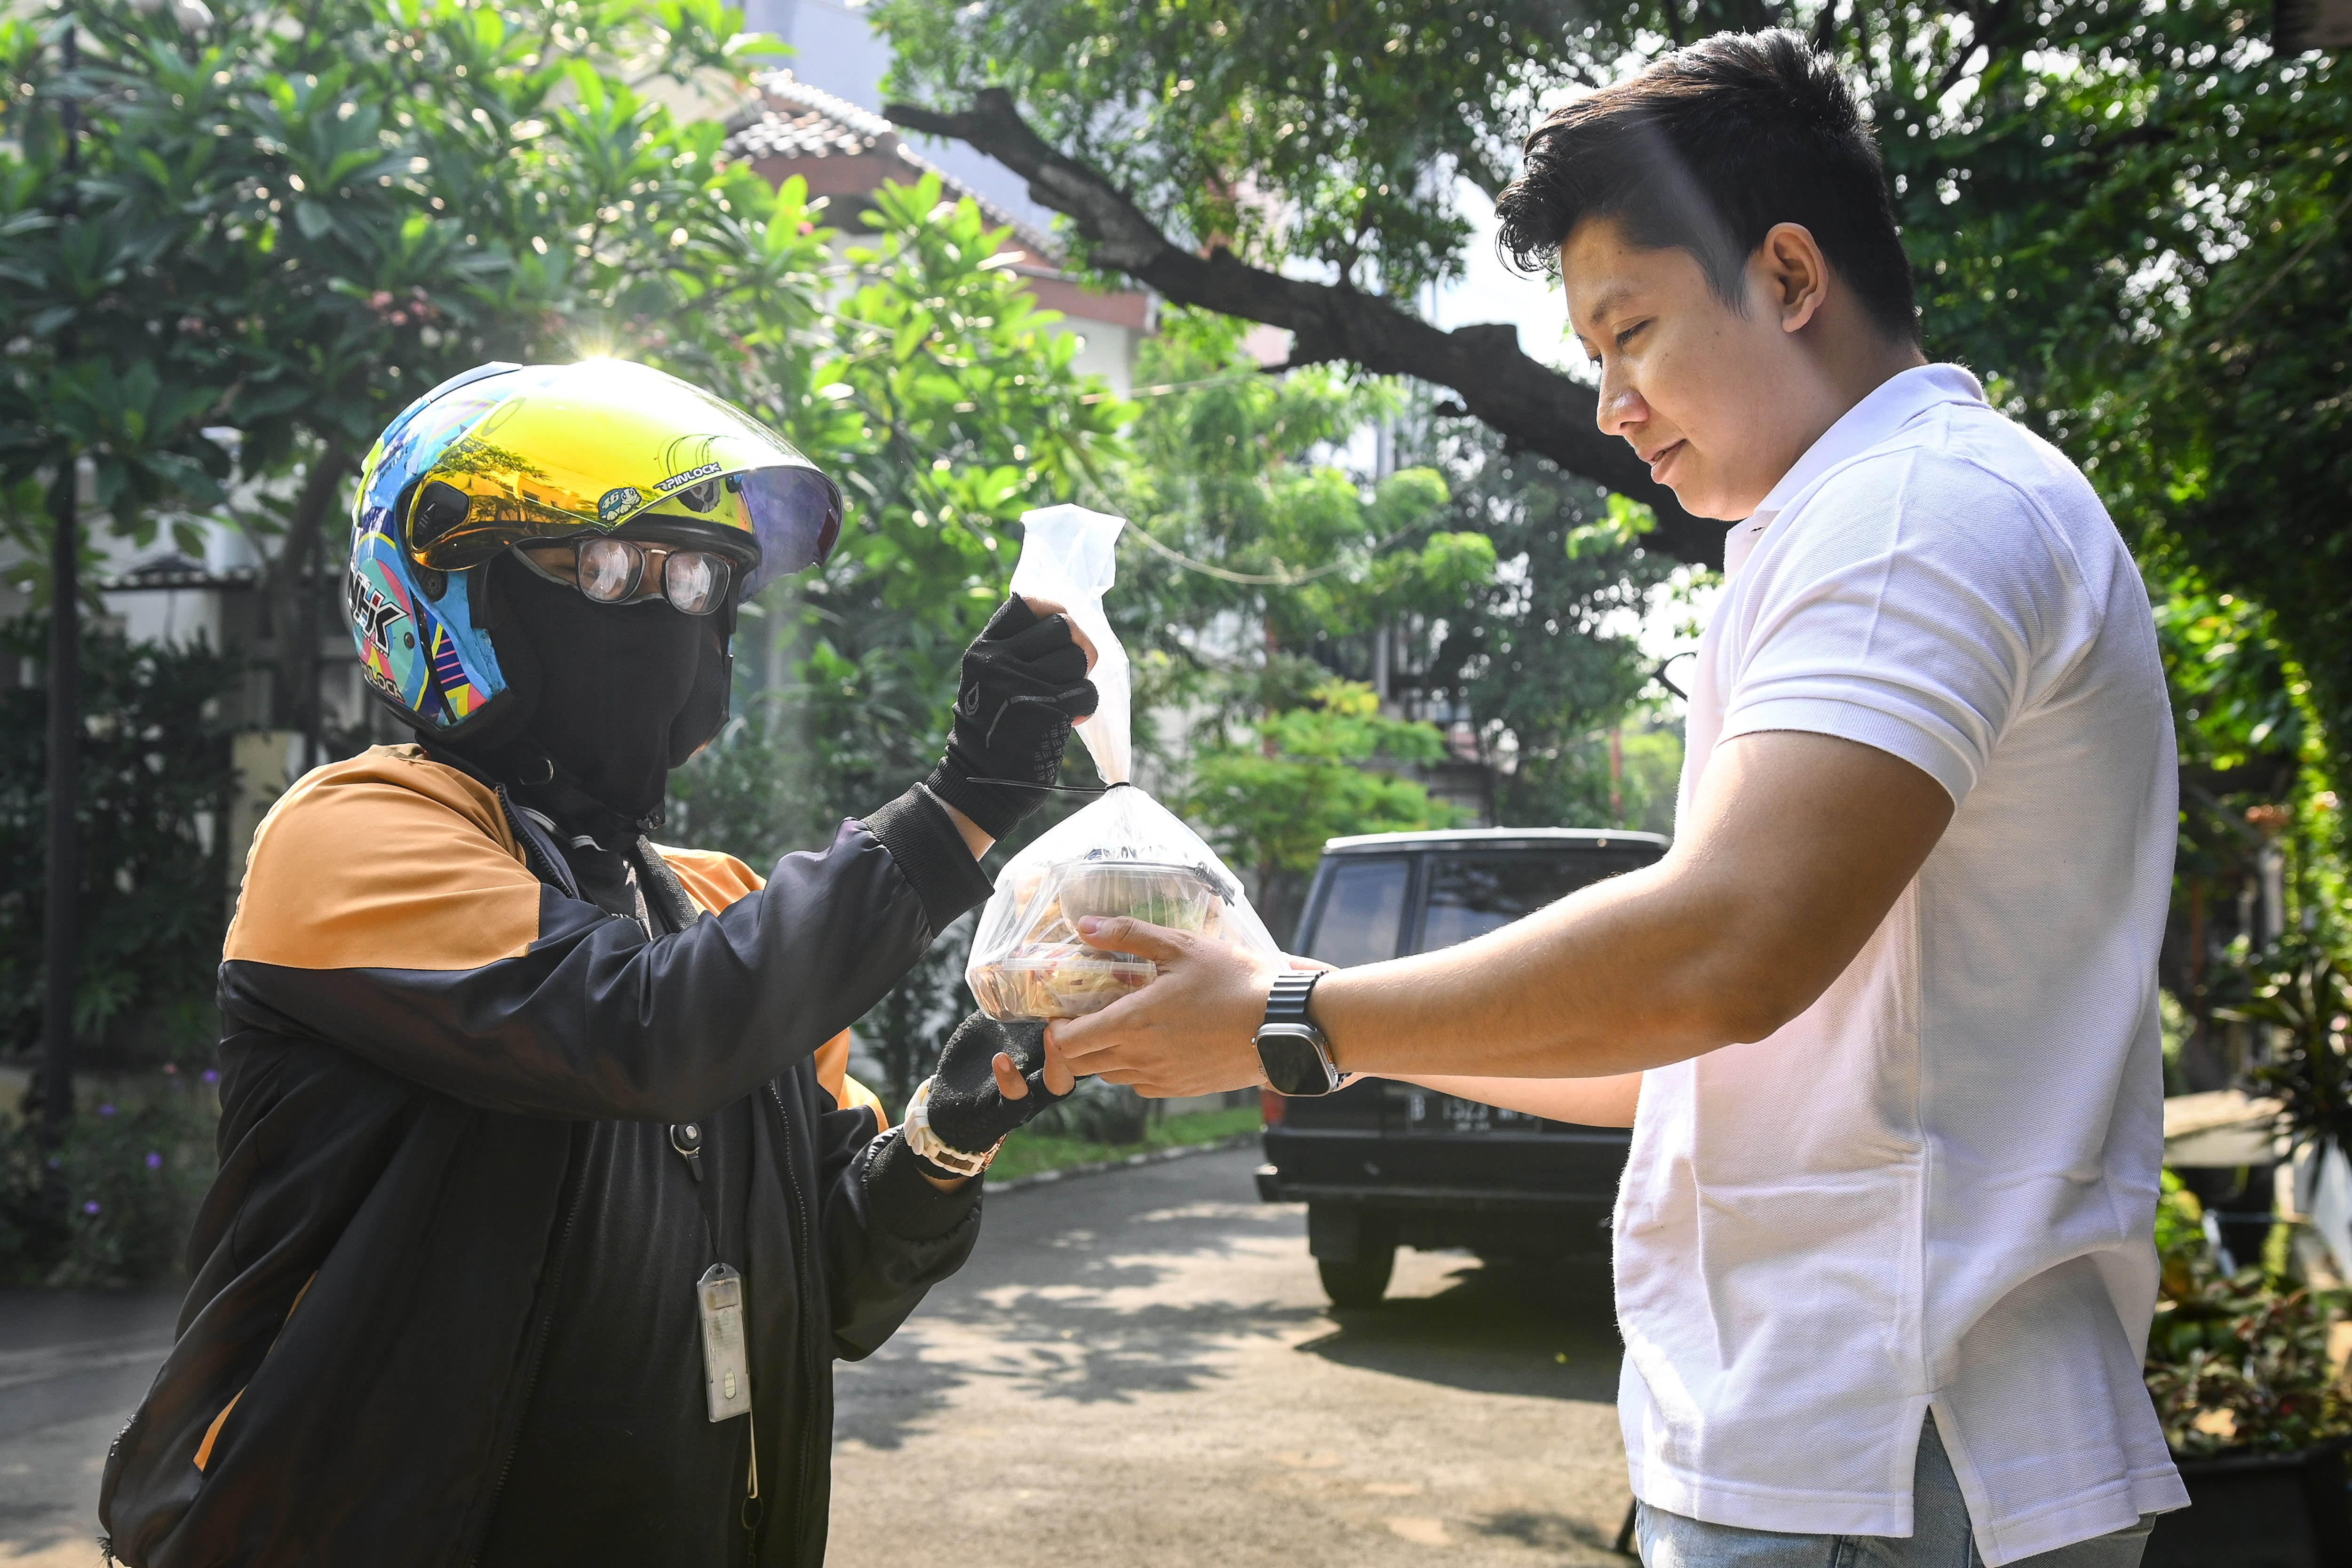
<point>1470,894</point>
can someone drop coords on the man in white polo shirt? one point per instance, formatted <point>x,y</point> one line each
<point>1888,1009</point>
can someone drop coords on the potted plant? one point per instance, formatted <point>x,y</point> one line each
<point>2252,1407</point>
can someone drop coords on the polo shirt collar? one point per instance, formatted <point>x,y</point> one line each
<point>1895,403</point>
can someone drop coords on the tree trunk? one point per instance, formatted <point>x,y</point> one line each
<point>300,565</point>
<point>61,903</point>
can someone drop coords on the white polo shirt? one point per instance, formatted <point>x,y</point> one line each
<point>1936,1188</point>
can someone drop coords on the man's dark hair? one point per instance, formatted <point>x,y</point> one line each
<point>1704,151</point>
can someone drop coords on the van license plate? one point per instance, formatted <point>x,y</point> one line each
<point>1429,1113</point>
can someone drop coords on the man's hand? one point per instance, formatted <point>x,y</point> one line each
<point>1193,1030</point>
<point>1795,849</point>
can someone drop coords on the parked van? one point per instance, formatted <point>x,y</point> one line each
<point>1381,1164</point>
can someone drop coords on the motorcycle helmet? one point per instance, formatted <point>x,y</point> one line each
<point>510,454</point>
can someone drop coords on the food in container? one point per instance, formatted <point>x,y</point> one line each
<point>1058,980</point>
<point>1185,898</point>
<point>1047,973</point>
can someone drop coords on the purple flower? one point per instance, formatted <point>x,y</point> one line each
<point>55,1164</point>
<point>106,1111</point>
<point>154,1161</point>
<point>211,1076</point>
<point>91,1207</point>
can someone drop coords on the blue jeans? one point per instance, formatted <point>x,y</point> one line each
<point>1939,1535</point>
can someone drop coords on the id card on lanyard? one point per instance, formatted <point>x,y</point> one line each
<point>726,1360</point>
<point>717,1297</point>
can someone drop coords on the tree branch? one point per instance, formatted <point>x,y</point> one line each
<point>1533,408</point>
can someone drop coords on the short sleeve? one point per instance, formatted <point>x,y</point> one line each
<point>1918,606</point>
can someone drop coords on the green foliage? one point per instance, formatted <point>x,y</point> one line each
<point>133,1175</point>
<point>2132,219</point>
<point>1051,1144</point>
<point>1544,653</point>
<point>1652,752</point>
<point>1288,128</point>
<point>946,407</point>
<point>2238,1363</point>
<point>155,787</point>
<point>1095,1113</point>
<point>1257,530</point>
<point>2234,686</point>
<point>2142,230</point>
<point>2302,992</point>
<point>289,223</point>
<point>1269,805</point>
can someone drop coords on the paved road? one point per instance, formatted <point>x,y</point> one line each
<point>1136,1368</point>
<point>72,1368</point>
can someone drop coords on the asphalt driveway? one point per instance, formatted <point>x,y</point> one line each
<point>1137,1368</point>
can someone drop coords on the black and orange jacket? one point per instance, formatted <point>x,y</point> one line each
<point>422,1023</point>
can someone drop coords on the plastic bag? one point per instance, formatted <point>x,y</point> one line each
<point>1124,854</point>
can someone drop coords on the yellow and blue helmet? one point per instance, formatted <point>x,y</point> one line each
<point>507,454</point>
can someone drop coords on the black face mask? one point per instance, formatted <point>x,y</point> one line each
<point>626,692</point>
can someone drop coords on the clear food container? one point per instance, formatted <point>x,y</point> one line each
<point>1058,980</point>
<point>1185,898</point>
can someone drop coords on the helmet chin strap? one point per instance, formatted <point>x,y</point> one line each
<point>561,796</point>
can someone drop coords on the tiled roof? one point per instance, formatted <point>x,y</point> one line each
<point>797,121</point>
<point>793,120</point>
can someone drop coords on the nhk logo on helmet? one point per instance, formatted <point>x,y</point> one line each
<point>405,651</point>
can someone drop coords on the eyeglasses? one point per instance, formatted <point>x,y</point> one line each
<point>625,571</point>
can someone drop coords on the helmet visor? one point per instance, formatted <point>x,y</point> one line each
<point>596,444</point>
<point>795,514</point>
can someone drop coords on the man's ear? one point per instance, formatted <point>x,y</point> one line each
<point>1795,275</point>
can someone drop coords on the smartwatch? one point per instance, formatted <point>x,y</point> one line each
<point>1293,1053</point>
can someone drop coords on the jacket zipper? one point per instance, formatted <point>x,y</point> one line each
<point>537,1351</point>
<point>809,1326</point>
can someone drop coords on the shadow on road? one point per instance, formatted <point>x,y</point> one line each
<point>1085,1298</point>
<point>1066,1303</point>
<point>1545,1332</point>
<point>1119,1369</point>
<point>1553,1532</point>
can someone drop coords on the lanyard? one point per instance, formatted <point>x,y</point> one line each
<point>689,1137</point>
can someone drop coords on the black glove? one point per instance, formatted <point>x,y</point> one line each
<point>968,1111</point>
<point>1023,682</point>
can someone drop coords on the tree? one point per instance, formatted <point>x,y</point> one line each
<point>152,795</point>
<point>947,406</point>
<point>232,247</point>
<point>1269,805</point>
<point>1256,559</point>
<point>2133,217</point>
<point>1543,653</point>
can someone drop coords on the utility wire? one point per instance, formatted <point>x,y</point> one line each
<point>1260,580</point>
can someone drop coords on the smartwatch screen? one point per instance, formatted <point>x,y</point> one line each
<point>1293,1066</point>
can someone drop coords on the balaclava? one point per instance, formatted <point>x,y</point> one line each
<point>625,692</point>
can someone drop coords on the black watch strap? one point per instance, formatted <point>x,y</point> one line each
<point>1286,1003</point>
